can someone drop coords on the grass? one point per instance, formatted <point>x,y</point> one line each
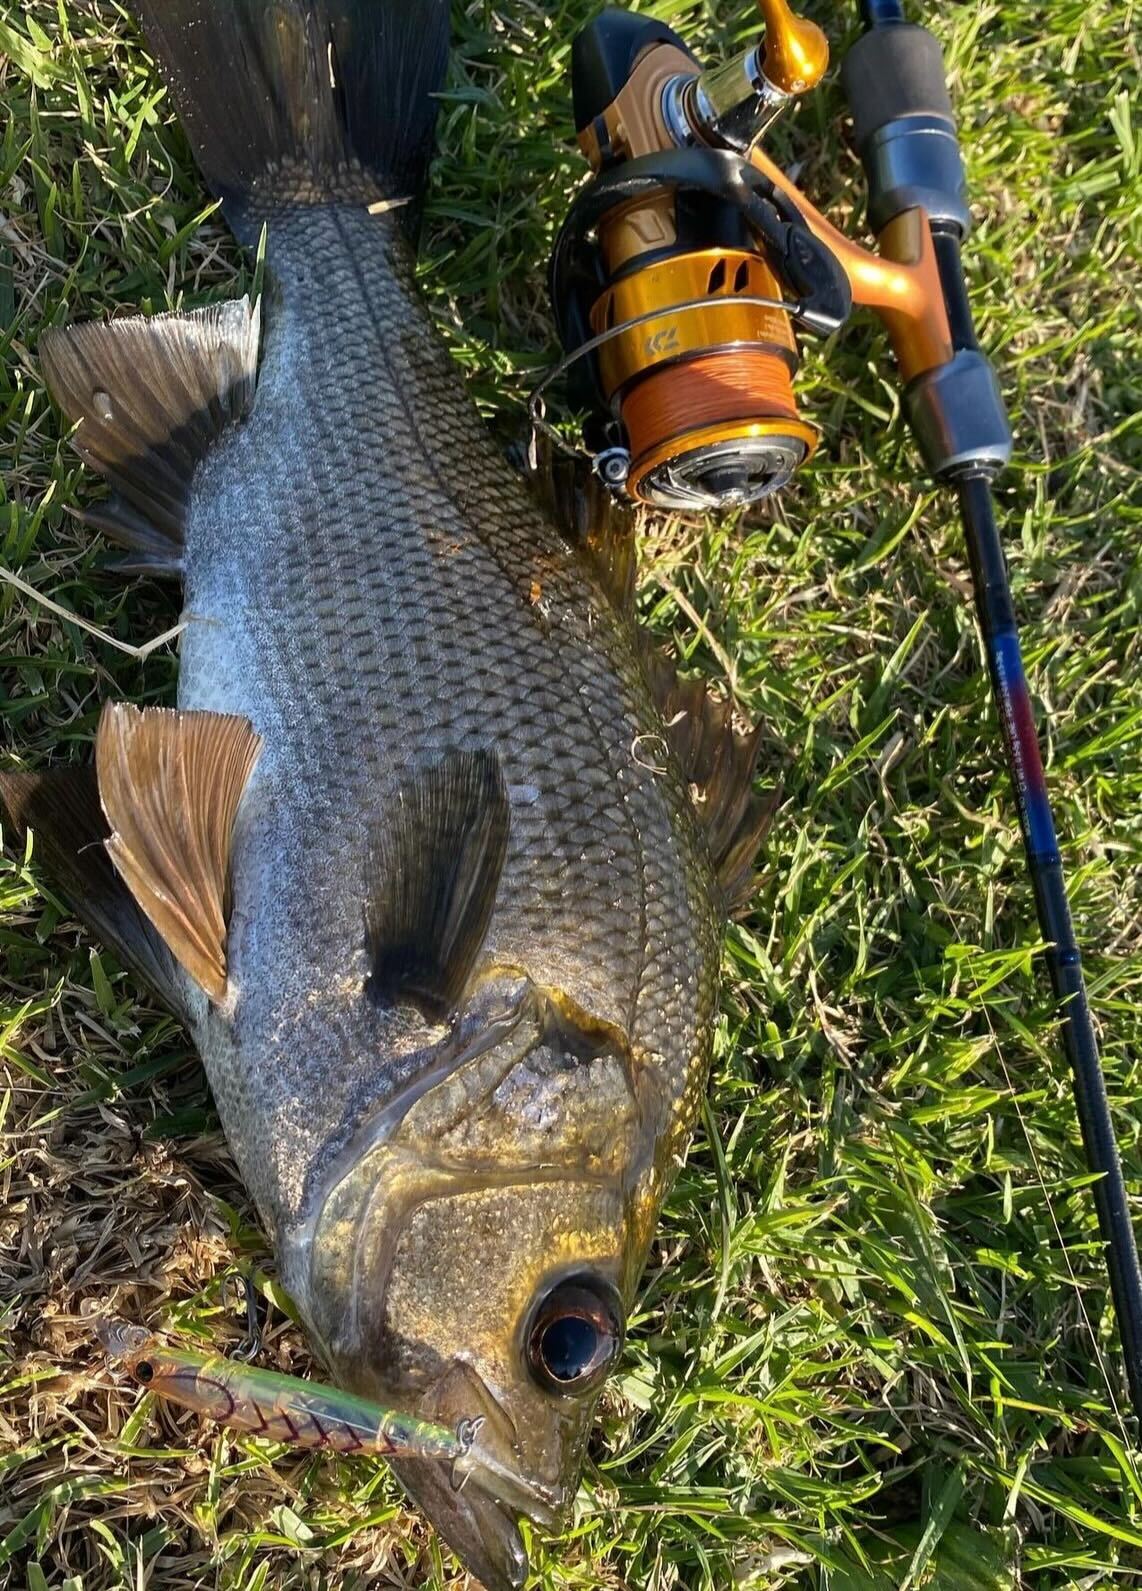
<point>874,1346</point>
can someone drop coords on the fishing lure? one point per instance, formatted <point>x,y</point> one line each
<point>305,1414</point>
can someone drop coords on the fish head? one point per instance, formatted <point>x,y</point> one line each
<point>474,1260</point>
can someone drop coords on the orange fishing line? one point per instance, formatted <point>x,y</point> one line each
<point>727,387</point>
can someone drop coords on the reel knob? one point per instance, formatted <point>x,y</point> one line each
<point>796,51</point>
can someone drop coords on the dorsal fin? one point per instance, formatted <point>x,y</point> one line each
<point>434,867</point>
<point>61,807</point>
<point>719,762</point>
<point>150,395</point>
<point>588,514</point>
<point>170,783</point>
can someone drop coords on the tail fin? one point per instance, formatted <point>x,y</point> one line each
<point>304,101</point>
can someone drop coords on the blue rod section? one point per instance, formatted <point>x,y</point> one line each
<point>881,13</point>
<point>996,614</point>
<point>1064,963</point>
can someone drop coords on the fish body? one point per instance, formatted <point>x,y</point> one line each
<point>417,858</point>
<point>374,587</point>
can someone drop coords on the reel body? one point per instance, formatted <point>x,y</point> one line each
<point>705,397</point>
<point>688,264</point>
<point>686,302</point>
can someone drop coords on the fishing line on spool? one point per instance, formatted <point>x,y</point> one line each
<point>536,403</point>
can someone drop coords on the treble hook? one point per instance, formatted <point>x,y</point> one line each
<point>242,1283</point>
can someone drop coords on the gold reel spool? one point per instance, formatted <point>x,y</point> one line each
<point>706,395</point>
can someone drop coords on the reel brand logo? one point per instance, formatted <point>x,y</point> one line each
<point>661,342</point>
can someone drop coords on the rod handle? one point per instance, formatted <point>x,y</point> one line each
<point>893,79</point>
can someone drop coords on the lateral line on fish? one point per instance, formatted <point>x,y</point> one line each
<point>631,822</point>
<point>445,480</point>
<point>426,444</point>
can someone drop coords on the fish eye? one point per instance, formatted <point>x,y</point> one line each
<point>575,1335</point>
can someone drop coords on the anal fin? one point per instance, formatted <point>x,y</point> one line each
<point>170,783</point>
<point>435,864</point>
<point>150,395</point>
<point>61,808</point>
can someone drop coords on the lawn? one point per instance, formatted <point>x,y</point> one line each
<point>874,1345</point>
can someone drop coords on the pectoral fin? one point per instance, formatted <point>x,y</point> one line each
<point>435,864</point>
<point>170,783</point>
<point>61,808</point>
<point>150,395</point>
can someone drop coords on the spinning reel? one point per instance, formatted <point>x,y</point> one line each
<point>684,270</point>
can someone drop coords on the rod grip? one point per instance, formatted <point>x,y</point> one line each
<point>893,79</point>
<point>892,72</point>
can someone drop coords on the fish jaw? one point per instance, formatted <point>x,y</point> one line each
<point>526,1463</point>
<point>482,1532</point>
<point>475,1508</point>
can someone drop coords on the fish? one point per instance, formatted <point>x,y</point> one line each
<point>433,853</point>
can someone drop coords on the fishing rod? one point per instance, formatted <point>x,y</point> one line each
<point>680,279</point>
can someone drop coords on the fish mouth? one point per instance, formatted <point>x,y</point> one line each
<point>480,1530</point>
<point>502,1482</point>
<point>476,1506</point>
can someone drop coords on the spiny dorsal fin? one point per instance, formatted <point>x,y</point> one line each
<point>434,867</point>
<point>719,762</point>
<point>588,514</point>
<point>61,807</point>
<point>170,783</point>
<point>150,395</point>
